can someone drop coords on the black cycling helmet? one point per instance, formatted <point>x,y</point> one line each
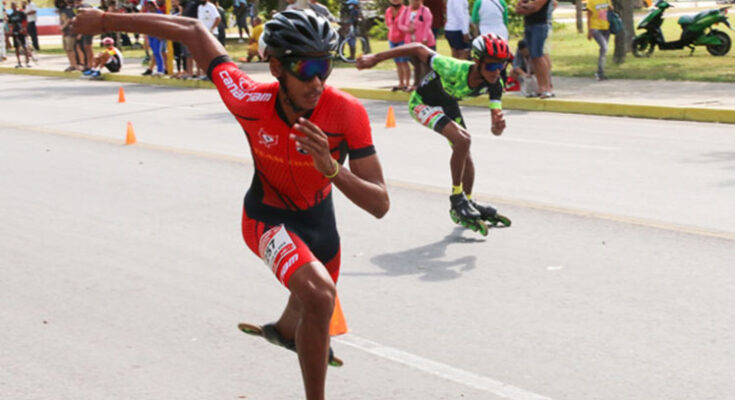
<point>297,32</point>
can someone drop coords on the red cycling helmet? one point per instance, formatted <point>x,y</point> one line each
<point>490,45</point>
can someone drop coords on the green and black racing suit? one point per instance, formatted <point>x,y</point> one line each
<point>434,103</point>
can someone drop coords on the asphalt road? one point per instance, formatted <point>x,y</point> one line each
<point>123,274</point>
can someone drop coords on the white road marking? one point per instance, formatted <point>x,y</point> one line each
<point>444,371</point>
<point>560,144</point>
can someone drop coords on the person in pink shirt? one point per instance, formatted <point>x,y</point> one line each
<point>415,22</point>
<point>395,38</point>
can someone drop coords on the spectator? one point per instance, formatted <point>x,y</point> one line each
<point>438,11</point>
<point>598,28</point>
<point>536,29</point>
<point>321,9</point>
<point>291,5</point>
<point>457,28</point>
<point>157,62</point>
<point>415,22</point>
<point>32,13</point>
<point>209,16</point>
<point>190,10</point>
<point>491,16</point>
<point>521,62</point>
<point>395,39</point>
<point>17,23</point>
<point>110,58</point>
<point>222,25</point>
<point>253,9</point>
<point>83,44</point>
<point>179,59</point>
<point>254,38</point>
<point>240,10</point>
<point>66,14</point>
<point>3,54</point>
<point>523,72</point>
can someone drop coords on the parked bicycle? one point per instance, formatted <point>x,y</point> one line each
<point>353,40</point>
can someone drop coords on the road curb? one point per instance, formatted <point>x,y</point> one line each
<point>509,102</point>
<point>143,80</point>
<point>577,107</point>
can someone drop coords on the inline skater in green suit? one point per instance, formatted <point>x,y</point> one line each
<point>434,104</point>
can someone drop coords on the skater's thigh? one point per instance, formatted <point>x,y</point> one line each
<point>284,251</point>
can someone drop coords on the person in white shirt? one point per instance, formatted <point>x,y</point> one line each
<point>457,28</point>
<point>31,11</point>
<point>209,16</point>
<point>491,16</point>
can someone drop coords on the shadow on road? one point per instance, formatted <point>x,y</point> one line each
<point>429,260</point>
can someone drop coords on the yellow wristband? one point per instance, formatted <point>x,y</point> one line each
<point>336,170</point>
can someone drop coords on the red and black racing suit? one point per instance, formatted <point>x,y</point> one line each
<point>288,218</point>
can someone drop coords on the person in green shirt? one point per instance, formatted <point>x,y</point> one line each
<point>490,16</point>
<point>434,104</point>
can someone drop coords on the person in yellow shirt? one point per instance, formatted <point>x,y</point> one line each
<point>599,28</point>
<point>254,37</point>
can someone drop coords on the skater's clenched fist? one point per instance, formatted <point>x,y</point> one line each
<point>366,61</point>
<point>498,122</point>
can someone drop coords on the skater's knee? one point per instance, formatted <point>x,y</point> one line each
<point>462,141</point>
<point>319,301</point>
<point>314,288</point>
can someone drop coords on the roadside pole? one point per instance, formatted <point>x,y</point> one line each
<point>169,46</point>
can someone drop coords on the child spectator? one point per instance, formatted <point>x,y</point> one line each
<point>395,39</point>
<point>111,58</point>
<point>415,22</point>
<point>253,43</point>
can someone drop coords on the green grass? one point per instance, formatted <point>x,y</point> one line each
<point>573,55</point>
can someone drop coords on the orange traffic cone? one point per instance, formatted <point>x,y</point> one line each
<point>130,137</point>
<point>390,122</point>
<point>337,326</point>
<point>121,95</point>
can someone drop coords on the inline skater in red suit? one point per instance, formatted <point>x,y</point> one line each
<point>300,132</point>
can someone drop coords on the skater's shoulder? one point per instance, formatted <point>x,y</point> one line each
<point>445,65</point>
<point>340,100</point>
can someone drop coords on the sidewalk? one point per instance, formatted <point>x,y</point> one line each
<point>695,101</point>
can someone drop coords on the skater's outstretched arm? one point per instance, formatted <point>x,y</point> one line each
<point>203,45</point>
<point>413,50</point>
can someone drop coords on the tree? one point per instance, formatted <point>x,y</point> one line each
<point>623,40</point>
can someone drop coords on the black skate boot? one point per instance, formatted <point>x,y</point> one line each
<point>464,214</point>
<point>490,214</point>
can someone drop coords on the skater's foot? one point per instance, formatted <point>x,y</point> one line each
<point>271,334</point>
<point>464,214</point>
<point>490,214</point>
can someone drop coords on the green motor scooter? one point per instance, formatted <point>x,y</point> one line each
<point>696,30</point>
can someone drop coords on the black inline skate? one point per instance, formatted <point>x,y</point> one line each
<point>464,214</point>
<point>490,214</point>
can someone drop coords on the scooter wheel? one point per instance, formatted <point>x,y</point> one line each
<point>642,47</point>
<point>719,49</point>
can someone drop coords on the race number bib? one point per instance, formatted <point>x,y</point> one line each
<point>275,245</point>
